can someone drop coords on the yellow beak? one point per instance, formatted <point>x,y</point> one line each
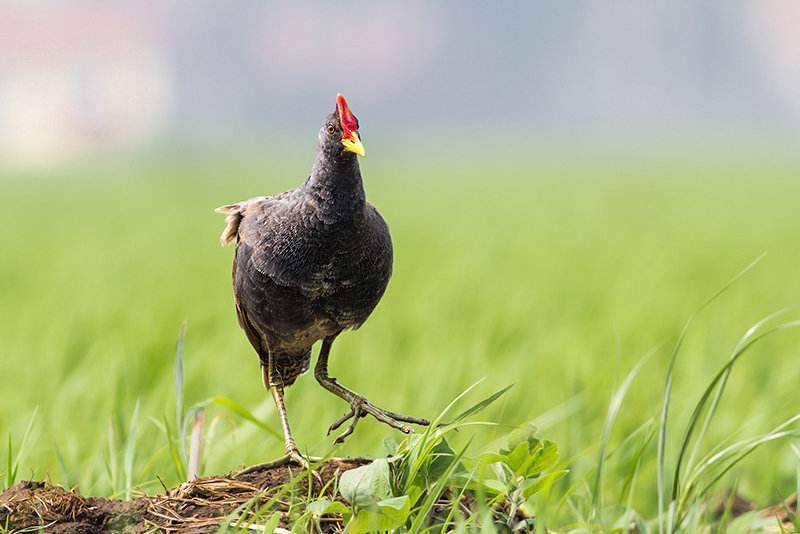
<point>353,144</point>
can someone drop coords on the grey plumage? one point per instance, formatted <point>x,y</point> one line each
<point>309,262</point>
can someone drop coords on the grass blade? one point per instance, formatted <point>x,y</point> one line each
<point>66,479</point>
<point>434,493</point>
<point>112,467</point>
<point>797,490</point>
<point>720,390</point>
<point>130,451</point>
<point>174,452</point>
<point>613,409</point>
<point>731,449</point>
<point>179,392</point>
<point>10,463</point>
<point>13,462</point>
<point>452,403</point>
<point>196,446</point>
<point>482,405</point>
<point>662,429</point>
<point>725,460</point>
<point>721,375</point>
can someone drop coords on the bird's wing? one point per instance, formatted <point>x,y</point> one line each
<point>276,243</point>
<point>270,298</point>
<point>249,291</point>
<point>250,329</point>
<point>282,243</point>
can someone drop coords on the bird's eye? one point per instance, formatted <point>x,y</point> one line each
<point>330,128</point>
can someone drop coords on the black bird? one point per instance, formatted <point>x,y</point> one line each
<point>310,263</point>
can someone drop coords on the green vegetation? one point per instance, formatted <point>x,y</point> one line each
<point>572,279</point>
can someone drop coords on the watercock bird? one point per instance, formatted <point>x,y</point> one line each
<point>310,263</point>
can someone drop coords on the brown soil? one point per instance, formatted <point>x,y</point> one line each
<point>197,507</point>
<point>201,506</point>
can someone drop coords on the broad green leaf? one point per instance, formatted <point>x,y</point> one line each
<point>547,458</point>
<point>391,445</point>
<point>442,456</point>
<point>417,490</point>
<point>543,483</point>
<point>495,486</point>
<point>491,458</point>
<point>523,433</point>
<point>471,482</point>
<point>518,457</point>
<point>324,506</point>
<point>395,509</point>
<point>365,486</point>
<point>389,514</point>
<point>502,472</point>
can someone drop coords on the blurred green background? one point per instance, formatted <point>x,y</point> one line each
<point>565,186</point>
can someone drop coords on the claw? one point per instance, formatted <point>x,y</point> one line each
<point>360,407</point>
<point>339,422</point>
<point>356,413</point>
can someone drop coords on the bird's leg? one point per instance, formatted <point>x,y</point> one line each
<point>359,406</point>
<point>275,387</point>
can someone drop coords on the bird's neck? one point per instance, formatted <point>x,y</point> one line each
<point>336,184</point>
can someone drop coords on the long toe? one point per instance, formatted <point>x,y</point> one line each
<point>360,407</point>
<point>349,430</point>
<point>406,418</point>
<point>385,418</point>
<point>279,462</point>
<point>356,413</point>
<point>339,422</point>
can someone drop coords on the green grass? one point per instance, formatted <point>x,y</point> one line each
<point>555,274</point>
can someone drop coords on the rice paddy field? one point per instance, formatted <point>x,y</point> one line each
<point>556,273</point>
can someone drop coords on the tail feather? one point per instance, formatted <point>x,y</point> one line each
<point>234,217</point>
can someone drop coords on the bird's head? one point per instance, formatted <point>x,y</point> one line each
<point>340,131</point>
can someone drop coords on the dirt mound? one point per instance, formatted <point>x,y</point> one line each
<point>202,505</point>
<point>30,504</point>
<point>198,506</point>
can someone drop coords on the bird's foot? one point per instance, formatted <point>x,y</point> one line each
<point>361,407</point>
<point>294,456</point>
<point>291,457</point>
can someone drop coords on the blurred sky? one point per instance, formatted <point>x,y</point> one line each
<point>82,77</point>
